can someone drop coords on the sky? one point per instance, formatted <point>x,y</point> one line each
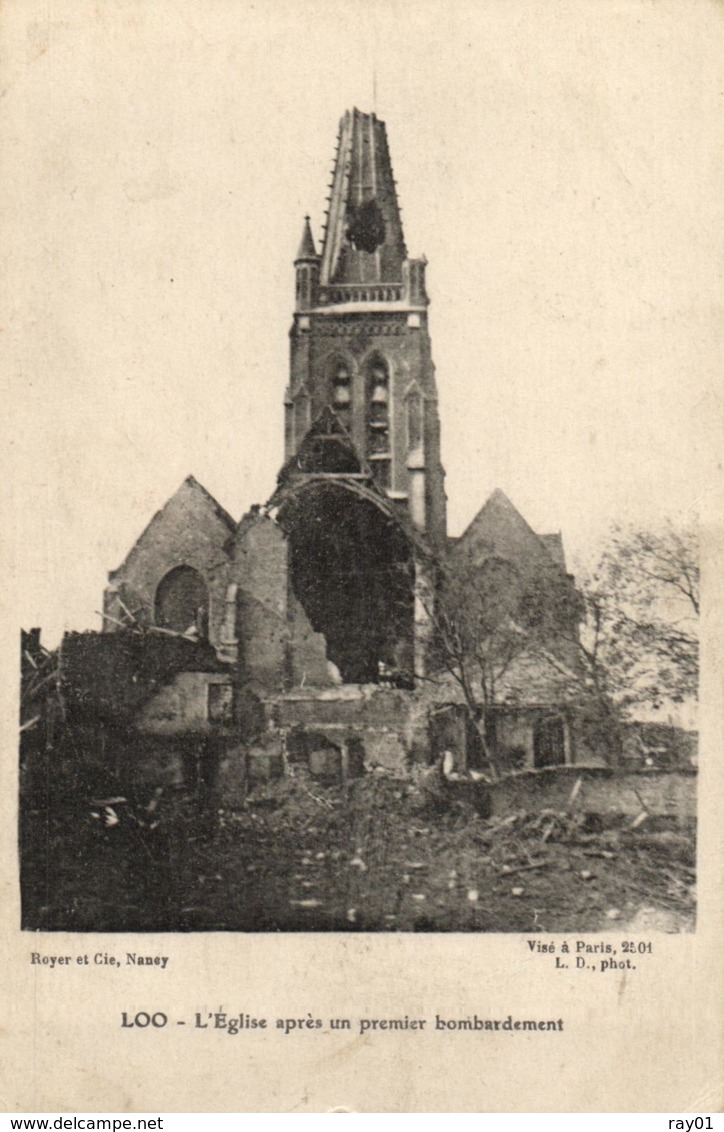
<point>560,165</point>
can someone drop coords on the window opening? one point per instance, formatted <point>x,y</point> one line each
<point>342,395</point>
<point>378,422</point>
<point>182,602</point>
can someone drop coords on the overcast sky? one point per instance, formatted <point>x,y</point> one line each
<point>560,164</point>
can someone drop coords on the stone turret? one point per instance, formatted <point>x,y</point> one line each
<point>307,270</point>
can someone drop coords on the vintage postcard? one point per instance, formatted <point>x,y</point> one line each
<point>362,698</point>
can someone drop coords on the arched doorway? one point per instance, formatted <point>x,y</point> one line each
<point>352,572</point>
<point>182,601</point>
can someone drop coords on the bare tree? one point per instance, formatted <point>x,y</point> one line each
<point>643,608</point>
<point>484,619</point>
<point>623,638</point>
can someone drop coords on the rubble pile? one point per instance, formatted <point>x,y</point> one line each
<point>376,854</point>
<point>373,854</point>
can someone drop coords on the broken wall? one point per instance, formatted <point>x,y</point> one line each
<point>259,568</point>
<point>141,709</point>
<point>601,791</point>
<point>113,676</point>
<point>308,663</point>
<point>370,725</point>
<point>193,702</point>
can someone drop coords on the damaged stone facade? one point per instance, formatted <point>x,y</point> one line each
<point>316,606</point>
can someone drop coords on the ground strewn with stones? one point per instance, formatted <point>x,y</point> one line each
<point>377,854</point>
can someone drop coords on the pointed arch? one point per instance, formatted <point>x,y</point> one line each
<point>371,356</point>
<point>339,371</point>
<point>338,356</point>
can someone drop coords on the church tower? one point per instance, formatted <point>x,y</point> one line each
<point>360,346</point>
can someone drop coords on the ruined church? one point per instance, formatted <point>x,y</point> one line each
<point>308,625</point>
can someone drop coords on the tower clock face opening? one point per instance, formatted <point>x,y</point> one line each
<point>365,226</point>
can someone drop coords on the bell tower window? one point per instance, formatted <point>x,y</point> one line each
<point>378,421</point>
<point>342,395</point>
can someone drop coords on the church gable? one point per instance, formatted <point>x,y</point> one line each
<point>525,570</point>
<point>500,531</point>
<point>174,577</point>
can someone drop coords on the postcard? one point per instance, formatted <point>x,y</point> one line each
<point>363,538</point>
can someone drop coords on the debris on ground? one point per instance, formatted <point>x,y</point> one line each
<point>365,855</point>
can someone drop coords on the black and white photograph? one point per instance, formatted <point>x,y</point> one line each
<point>364,437</point>
<point>334,708</point>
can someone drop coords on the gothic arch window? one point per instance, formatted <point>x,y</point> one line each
<point>378,419</point>
<point>340,391</point>
<point>182,601</point>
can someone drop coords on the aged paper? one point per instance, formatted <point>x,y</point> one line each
<point>560,166</point>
